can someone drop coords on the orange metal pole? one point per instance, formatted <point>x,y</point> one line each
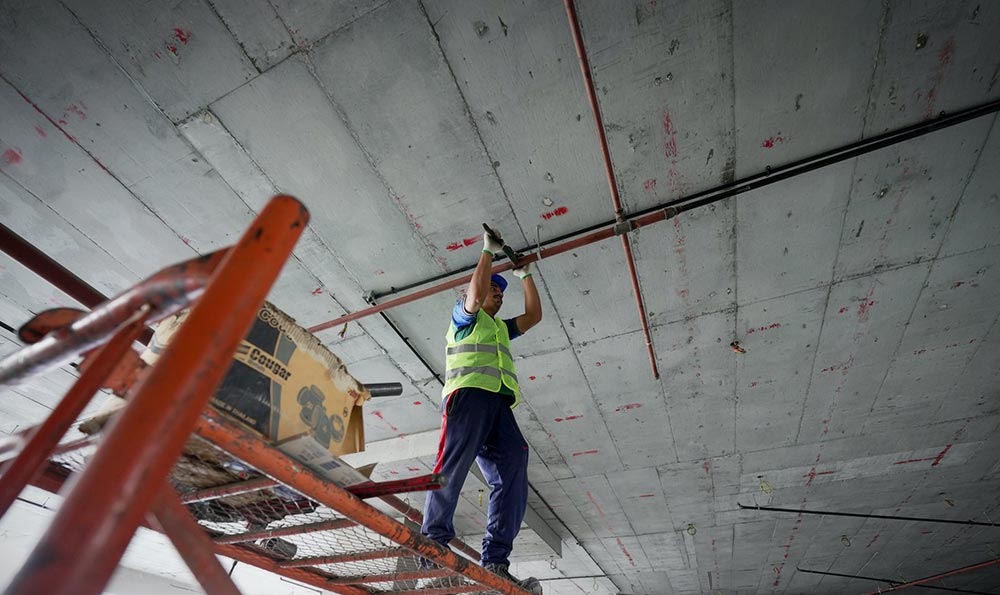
<point>414,515</point>
<point>194,546</point>
<point>81,548</point>
<point>313,578</point>
<point>45,437</point>
<point>243,444</point>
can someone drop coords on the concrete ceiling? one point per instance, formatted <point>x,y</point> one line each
<point>866,294</point>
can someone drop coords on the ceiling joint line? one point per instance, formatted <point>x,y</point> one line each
<point>729,177</point>
<point>239,42</point>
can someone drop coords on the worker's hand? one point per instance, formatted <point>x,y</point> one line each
<point>490,245</point>
<point>523,272</point>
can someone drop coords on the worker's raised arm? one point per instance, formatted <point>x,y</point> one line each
<point>479,286</point>
<point>532,304</point>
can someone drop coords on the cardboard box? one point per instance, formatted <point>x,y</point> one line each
<point>291,390</point>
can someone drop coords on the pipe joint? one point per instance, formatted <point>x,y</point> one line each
<point>623,227</point>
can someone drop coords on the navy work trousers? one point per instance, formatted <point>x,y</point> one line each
<point>478,424</point>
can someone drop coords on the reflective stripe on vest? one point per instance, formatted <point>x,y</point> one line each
<point>482,359</point>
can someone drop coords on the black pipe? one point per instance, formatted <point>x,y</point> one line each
<point>769,176</point>
<point>891,583</point>
<point>870,516</point>
<point>384,389</point>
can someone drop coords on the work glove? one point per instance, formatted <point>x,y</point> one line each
<point>490,245</point>
<point>523,272</point>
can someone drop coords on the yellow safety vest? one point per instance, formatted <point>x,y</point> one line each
<point>482,359</point>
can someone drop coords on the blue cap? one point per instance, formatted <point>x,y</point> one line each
<point>499,281</point>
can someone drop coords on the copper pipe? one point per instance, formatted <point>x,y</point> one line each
<point>191,542</point>
<point>414,515</point>
<point>46,436</point>
<point>330,525</point>
<point>245,445</point>
<point>609,171</point>
<point>39,263</point>
<point>938,576</point>
<point>82,547</point>
<point>573,244</point>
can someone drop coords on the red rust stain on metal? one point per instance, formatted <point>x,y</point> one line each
<point>12,156</point>
<point>462,243</point>
<point>568,418</point>
<point>182,35</point>
<point>649,185</point>
<point>625,551</point>
<point>669,138</point>
<point>629,406</point>
<point>940,455</point>
<point>40,132</point>
<point>775,325</point>
<point>585,452</point>
<point>558,212</point>
<point>317,291</point>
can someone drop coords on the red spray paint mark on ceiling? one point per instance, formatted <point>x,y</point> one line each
<point>558,212</point>
<point>378,414</point>
<point>317,291</point>
<point>462,243</point>
<point>775,325</point>
<point>531,377</point>
<point>669,137</point>
<point>413,468</point>
<point>75,109</point>
<point>874,539</point>
<point>182,35</point>
<point>844,309</point>
<point>629,406</point>
<point>707,466</point>
<point>907,461</point>
<point>625,551</point>
<point>417,403</point>
<point>649,185</point>
<point>568,418</point>
<point>940,455</point>
<point>646,495</point>
<point>40,132</point>
<point>585,452</point>
<point>770,141</point>
<point>12,156</point>
<point>944,59</point>
<point>958,284</point>
<point>172,49</point>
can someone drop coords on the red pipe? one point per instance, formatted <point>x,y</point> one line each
<point>191,542</point>
<point>937,577</point>
<point>39,263</point>
<point>588,81</point>
<point>89,534</point>
<point>46,436</point>
<point>573,244</point>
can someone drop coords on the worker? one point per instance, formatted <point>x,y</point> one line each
<point>477,421</point>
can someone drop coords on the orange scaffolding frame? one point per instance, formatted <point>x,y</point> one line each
<point>125,483</point>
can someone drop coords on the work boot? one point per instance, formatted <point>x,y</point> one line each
<point>529,584</point>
